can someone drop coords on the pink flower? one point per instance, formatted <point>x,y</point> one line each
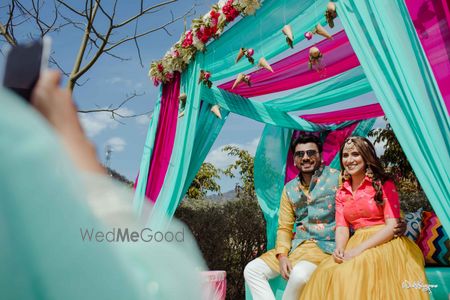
<point>187,39</point>
<point>169,76</point>
<point>156,81</point>
<point>175,53</point>
<point>250,52</point>
<point>160,68</point>
<point>214,17</point>
<point>229,11</point>
<point>308,35</point>
<point>206,75</point>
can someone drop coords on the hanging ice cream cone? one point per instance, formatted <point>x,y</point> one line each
<point>181,114</point>
<point>330,14</point>
<point>238,80</point>
<point>320,30</point>
<point>240,54</point>
<point>314,52</point>
<point>264,64</point>
<point>182,98</point>
<point>287,30</point>
<point>315,58</point>
<point>215,109</point>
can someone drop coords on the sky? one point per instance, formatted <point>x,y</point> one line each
<point>110,81</point>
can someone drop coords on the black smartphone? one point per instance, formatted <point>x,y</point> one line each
<point>24,64</point>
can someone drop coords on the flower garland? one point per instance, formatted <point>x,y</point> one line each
<point>202,30</point>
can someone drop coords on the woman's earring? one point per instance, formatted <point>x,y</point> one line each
<point>345,175</point>
<point>369,172</point>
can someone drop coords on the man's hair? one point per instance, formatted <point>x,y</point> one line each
<point>304,139</point>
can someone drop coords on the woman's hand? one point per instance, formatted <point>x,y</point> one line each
<point>338,255</point>
<point>352,253</point>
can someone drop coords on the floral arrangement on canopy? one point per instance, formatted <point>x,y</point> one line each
<point>202,30</point>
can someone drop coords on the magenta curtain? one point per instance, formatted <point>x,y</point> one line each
<point>293,72</point>
<point>431,19</point>
<point>331,146</point>
<point>356,113</point>
<point>165,136</point>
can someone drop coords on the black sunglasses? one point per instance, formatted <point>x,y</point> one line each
<point>309,153</point>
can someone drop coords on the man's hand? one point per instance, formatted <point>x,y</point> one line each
<point>285,266</point>
<point>338,255</point>
<point>400,228</point>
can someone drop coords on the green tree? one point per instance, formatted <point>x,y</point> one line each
<point>204,181</point>
<point>244,164</point>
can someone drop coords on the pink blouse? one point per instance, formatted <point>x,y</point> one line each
<point>359,209</point>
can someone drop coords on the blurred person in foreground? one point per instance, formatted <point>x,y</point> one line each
<point>52,189</point>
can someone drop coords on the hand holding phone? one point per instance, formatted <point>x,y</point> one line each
<point>24,64</point>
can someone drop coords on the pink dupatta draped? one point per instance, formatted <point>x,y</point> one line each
<point>431,19</point>
<point>165,136</point>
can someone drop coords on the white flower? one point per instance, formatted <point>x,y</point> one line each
<point>197,43</point>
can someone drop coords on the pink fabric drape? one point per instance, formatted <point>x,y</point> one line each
<point>356,113</point>
<point>165,136</point>
<point>431,19</point>
<point>331,146</point>
<point>293,72</point>
<point>214,285</point>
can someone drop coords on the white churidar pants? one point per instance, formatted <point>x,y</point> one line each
<point>257,273</point>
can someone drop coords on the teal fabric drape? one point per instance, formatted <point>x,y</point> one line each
<point>262,32</point>
<point>139,194</point>
<point>270,171</point>
<point>260,112</point>
<point>171,191</point>
<point>332,90</point>
<point>208,129</point>
<point>385,41</point>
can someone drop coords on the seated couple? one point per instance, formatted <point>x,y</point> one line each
<point>371,264</point>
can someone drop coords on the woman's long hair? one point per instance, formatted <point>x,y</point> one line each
<point>373,163</point>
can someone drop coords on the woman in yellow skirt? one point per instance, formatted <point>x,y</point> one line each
<point>373,263</point>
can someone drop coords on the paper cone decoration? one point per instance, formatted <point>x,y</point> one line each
<point>240,54</point>
<point>320,30</point>
<point>216,110</point>
<point>238,80</point>
<point>181,114</point>
<point>330,14</point>
<point>314,52</point>
<point>182,98</point>
<point>287,30</point>
<point>264,64</point>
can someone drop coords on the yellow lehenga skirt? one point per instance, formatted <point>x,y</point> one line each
<point>393,270</point>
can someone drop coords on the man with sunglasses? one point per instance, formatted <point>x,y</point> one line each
<point>306,225</point>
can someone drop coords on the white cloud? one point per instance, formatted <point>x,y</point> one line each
<point>95,123</point>
<point>117,80</point>
<point>143,120</point>
<point>221,160</point>
<point>116,143</point>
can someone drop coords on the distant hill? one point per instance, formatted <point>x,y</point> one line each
<point>222,197</point>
